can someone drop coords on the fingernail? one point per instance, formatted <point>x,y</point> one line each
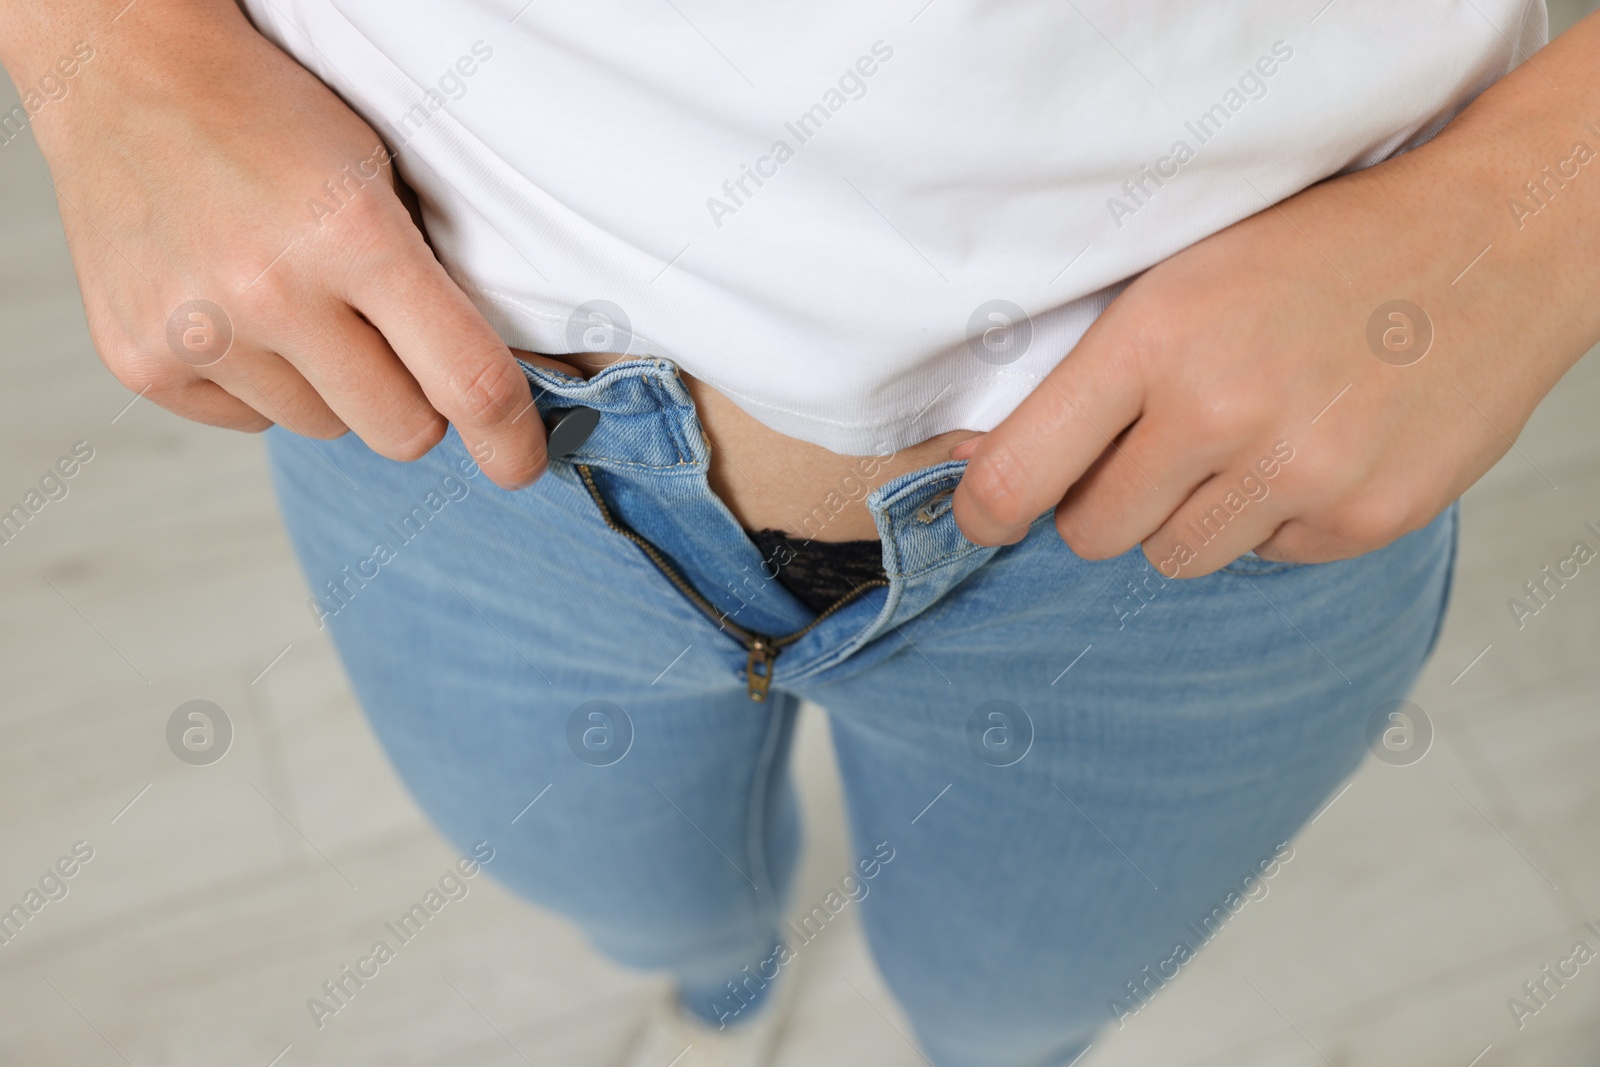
<point>540,473</point>
<point>965,449</point>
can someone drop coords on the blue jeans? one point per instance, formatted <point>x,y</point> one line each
<point>1062,777</point>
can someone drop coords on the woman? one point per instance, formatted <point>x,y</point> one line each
<point>795,289</point>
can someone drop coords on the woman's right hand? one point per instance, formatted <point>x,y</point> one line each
<point>242,251</point>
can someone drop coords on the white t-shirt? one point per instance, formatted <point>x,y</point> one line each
<point>869,223</point>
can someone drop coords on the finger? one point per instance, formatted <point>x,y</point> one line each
<point>465,370</point>
<point>1350,526</point>
<point>1301,541</point>
<point>1133,488</point>
<point>358,376</point>
<point>206,402</point>
<point>1026,464</point>
<point>271,385</point>
<point>1220,521</point>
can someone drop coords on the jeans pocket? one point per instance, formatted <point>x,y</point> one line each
<point>1251,564</point>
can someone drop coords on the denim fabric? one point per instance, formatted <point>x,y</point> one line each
<point>1072,767</point>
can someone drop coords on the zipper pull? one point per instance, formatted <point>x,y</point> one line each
<point>758,669</point>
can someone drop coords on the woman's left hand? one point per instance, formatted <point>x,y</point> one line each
<point>1321,378</point>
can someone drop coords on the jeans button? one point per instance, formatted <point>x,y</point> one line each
<point>568,429</point>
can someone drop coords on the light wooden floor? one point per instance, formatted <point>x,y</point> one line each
<point>220,898</point>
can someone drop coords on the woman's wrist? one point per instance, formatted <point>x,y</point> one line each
<point>34,35</point>
<point>69,57</point>
<point>1512,187</point>
<point>151,84</point>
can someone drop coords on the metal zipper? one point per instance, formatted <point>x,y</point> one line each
<point>763,648</point>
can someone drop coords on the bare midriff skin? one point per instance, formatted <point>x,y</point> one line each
<point>771,481</point>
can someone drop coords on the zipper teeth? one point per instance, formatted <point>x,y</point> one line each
<point>858,591</point>
<point>665,567</point>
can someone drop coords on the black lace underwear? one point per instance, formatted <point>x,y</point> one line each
<point>819,573</point>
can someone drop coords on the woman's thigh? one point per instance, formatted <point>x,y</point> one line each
<point>538,686</point>
<point>1085,770</point>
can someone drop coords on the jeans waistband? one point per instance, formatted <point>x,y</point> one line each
<point>649,435</point>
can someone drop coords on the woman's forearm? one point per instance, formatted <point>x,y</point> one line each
<point>76,62</point>
<point>33,36</point>
<point>1519,171</point>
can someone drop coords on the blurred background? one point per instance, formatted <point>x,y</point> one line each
<point>220,896</point>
